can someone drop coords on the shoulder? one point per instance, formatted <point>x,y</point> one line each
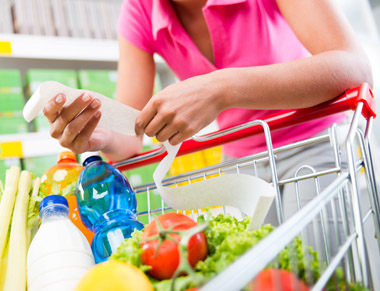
<point>135,23</point>
<point>137,8</point>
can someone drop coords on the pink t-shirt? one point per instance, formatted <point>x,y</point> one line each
<point>243,33</point>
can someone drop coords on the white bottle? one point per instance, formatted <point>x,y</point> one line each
<point>59,254</point>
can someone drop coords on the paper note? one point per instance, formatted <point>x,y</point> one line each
<point>252,195</point>
<point>115,115</point>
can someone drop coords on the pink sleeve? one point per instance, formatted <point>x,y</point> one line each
<point>135,25</point>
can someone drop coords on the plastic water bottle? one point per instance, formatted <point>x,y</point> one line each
<point>107,205</point>
<point>61,179</point>
<point>59,254</point>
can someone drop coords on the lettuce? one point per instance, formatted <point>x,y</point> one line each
<point>227,240</point>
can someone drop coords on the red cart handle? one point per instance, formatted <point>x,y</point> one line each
<point>347,101</point>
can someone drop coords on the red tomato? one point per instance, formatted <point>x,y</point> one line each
<point>165,261</point>
<point>277,280</point>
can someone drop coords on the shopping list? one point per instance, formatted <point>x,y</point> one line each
<point>252,195</point>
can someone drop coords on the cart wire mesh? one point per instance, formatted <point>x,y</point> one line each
<point>337,232</point>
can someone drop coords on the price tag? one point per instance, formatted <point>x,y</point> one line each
<point>11,149</point>
<point>5,48</point>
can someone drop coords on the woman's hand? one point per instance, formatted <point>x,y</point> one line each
<point>180,110</point>
<point>74,126</point>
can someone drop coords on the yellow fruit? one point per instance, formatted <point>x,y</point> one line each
<point>114,276</point>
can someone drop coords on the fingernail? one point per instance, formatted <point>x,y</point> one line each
<point>97,114</point>
<point>85,97</point>
<point>95,103</point>
<point>59,99</point>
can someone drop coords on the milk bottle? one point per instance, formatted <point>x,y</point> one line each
<point>59,254</point>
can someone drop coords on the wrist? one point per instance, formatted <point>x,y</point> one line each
<point>222,87</point>
<point>121,147</point>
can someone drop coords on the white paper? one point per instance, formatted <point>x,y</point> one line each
<point>252,195</point>
<point>115,115</point>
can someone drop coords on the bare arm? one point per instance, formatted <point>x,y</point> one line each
<point>337,63</point>
<point>136,71</point>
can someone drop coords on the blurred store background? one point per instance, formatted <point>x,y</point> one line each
<point>75,43</point>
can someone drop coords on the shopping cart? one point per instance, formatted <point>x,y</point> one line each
<point>337,216</point>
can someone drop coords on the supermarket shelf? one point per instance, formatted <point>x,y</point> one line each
<point>60,48</point>
<point>28,145</point>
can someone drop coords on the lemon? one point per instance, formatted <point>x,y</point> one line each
<point>114,276</point>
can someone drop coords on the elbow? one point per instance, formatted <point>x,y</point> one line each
<point>362,72</point>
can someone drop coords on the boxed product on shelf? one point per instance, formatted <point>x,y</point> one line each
<point>11,103</point>
<point>6,25</point>
<point>46,16</point>
<point>59,17</point>
<point>72,15</point>
<point>11,124</point>
<point>39,165</point>
<point>33,79</point>
<point>101,81</point>
<point>19,13</point>
<point>104,82</point>
<point>11,95</point>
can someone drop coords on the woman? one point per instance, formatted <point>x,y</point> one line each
<point>237,60</point>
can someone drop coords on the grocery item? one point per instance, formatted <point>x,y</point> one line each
<point>107,204</point>
<point>101,81</point>
<point>7,163</point>
<point>15,228</point>
<point>59,254</point>
<point>227,239</point>
<point>7,202</point>
<point>112,276</point>
<point>62,179</point>
<point>11,94</point>
<point>15,278</point>
<point>277,279</point>
<point>163,253</point>
<point>11,103</point>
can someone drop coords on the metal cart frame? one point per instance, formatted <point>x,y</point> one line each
<point>344,190</point>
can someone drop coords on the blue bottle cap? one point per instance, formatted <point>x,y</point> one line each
<point>88,157</point>
<point>53,200</point>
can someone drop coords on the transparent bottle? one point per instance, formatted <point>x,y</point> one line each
<point>59,254</point>
<point>107,204</point>
<point>62,179</point>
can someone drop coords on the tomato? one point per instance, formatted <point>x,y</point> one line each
<point>277,280</point>
<point>165,260</point>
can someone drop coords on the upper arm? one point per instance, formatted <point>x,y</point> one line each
<point>319,25</point>
<point>136,72</point>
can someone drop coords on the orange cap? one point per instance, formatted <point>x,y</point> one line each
<point>67,155</point>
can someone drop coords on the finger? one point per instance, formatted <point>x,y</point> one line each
<point>144,118</point>
<point>155,126</point>
<point>165,133</point>
<point>72,110</point>
<point>52,108</point>
<point>81,142</point>
<point>177,138</point>
<point>81,105</point>
<point>73,129</point>
<point>180,136</point>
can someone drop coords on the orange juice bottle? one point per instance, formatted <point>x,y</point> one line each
<point>62,179</point>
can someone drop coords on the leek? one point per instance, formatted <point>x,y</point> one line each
<point>15,277</point>
<point>7,202</point>
<point>3,266</point>
<point>32,215</point>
